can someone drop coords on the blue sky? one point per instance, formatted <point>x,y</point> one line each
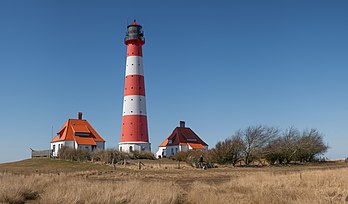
<point>218,65</point>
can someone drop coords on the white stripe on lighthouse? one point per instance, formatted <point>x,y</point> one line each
<point>134,65</point>
<point>134,105</point>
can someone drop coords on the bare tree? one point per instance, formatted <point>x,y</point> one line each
<point>310,145</point>
<point>255,139</point>
<point>229,151</point>
<point>284,148</point>
<point>262,142</point>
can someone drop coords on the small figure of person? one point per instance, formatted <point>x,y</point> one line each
<point>201,160</point>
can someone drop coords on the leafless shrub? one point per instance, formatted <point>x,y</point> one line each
<point>141,155</point>
<point>310,145</point>
<point>192,156</point>
<point>68,153</point>
<point>255,139</point>
<point>271,144</point>
<point>105,156</point>
<point>284,148</point>
<point>229,151</point>
<point>108,156</point>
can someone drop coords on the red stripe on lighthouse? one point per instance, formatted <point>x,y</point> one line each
<point>134,128</point>
<point>134,85</point>
<point>134,49</point>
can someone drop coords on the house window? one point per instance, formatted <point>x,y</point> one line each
<point>121,149</point>
<point>176,150</point>
<point>130,149</point>
<point>169,141</point>
<point>54,148</point>
<point>82,134</point>
<point>172,151</point>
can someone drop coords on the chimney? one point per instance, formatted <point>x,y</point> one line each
<point>182,124</point>
<point>79,115</point>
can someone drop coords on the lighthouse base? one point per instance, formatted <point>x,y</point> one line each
<point>134,146</point>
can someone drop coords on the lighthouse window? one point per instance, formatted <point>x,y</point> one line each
<point>132,87</point>
<point>141,111</point>
<point>131,100</point>
<point>131,111</point>
<point>132,64</point>
<point>140,99</point>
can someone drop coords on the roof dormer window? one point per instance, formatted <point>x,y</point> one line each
<point>82,134</point>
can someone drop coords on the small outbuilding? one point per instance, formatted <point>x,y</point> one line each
<point>181,139</point>
<point>77,134</point>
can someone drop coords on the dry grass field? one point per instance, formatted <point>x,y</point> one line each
<point>161,181</point>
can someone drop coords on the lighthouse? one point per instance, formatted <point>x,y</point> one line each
<point>134,134</point>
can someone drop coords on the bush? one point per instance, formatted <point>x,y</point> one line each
<point>259,143</point>
<point>141,155</point>
<point>229,151</point>
<point>191,157</point>
<point>106,156</point>
<point>68,153</point>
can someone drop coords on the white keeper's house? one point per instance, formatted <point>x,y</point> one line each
<point>181,139</point>
<point>77,134</point>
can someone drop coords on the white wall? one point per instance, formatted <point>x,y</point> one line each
<point>171,150</point>
<point>57,146</point>
<point>73,144</point>
<point>87,147</point>
<point>184,147</point>
<point>159,152</point>
<point>100,145</point>
<point>138,146</point>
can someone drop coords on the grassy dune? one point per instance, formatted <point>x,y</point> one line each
<point>165,183</point>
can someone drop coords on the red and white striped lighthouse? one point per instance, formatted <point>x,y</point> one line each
<point>134,119</point>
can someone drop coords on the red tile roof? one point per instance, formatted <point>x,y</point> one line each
<point>184,136</point>
<point>80,128</point>
<point>72,126</point>
<point>164,143</point>
<point>85,140</point>
<point>195,146</point>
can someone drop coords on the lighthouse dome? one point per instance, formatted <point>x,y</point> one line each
<point>134,33</point>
